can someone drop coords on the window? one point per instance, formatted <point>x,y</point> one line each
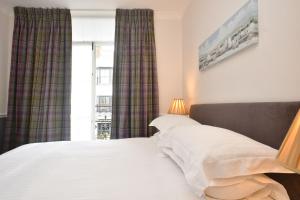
<point>104,75</point>
<point>92,70</point>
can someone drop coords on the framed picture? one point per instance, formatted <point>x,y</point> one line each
<point>237,33</point>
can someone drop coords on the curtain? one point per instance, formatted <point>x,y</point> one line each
<point>39,103</point>
<point>135,87</point>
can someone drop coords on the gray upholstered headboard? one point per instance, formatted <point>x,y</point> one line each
<point>267,123</point>
<point>264,122</point>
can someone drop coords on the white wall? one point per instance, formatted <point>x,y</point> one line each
<point>5,47</point>
<point>169,59</point>
<point>269,71</point>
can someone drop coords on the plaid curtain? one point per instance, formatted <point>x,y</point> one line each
<point>39,103</point>
<point>135,87</point>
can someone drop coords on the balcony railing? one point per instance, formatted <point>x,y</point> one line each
<point>100,109</point>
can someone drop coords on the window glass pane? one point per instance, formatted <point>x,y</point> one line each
<point>104,56</point>
<point>104,76</point>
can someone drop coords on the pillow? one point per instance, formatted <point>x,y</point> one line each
<point>173,156</point>
<point>251,187</point>
<point>210,152</point>
<point>165,122</point>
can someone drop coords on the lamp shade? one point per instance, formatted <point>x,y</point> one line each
<point>289,153</point>
<point>178,107</point>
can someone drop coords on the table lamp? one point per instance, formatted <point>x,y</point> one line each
<point>178,107</point>
<point>289,152</point>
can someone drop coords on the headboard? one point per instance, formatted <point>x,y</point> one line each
<point>267,123</point>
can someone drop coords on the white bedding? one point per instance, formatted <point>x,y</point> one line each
<point>129,169</point>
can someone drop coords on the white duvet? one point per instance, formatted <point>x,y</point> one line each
<point>130,169</point>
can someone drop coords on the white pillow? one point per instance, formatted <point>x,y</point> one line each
<point>174,157</point>
<point>210,152</point>
<point>165,122</point>
<point>250,187</point>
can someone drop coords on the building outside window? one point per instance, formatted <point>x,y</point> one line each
<point>103,101</point>
<point>103,104</point>
<point>104,75</point>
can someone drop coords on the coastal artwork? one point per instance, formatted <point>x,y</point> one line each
<point>239,32</point>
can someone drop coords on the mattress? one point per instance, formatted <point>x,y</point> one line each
<point>127,169</point>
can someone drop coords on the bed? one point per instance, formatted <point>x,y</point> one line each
<point>133,168</point>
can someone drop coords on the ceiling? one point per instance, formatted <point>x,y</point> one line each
<point>172,6</point>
